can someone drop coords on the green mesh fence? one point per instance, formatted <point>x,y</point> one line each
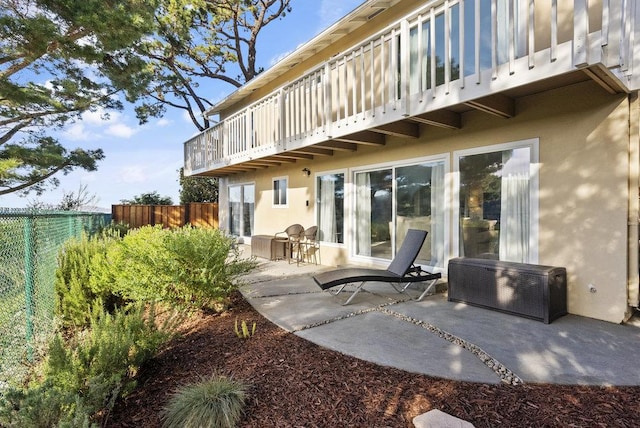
<point>29,244</point>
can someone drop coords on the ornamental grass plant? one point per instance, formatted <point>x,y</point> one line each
<point>217,402</point>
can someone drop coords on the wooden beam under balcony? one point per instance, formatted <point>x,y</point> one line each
<point>401,128</point>
<point>259,163</point>
<point>339,145</point>
<point>231,169</point>
<point>440,118</point>
<point>602,77</point>
<point>279,159</point>
<point>315,150</point>
<point>368,138</point>
<point>498,105</point>
<point>293,155</point>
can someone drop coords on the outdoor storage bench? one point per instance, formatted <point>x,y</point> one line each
<point>532,291</point>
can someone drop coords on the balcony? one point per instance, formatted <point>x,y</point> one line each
<point>430,67</point>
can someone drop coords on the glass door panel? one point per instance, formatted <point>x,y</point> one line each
<point>420,205</point>
<point>374,198</point>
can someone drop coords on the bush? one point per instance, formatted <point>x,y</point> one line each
<point>86,374</point>
<point>75,292</point>
<point>187,266</point>
<point>205,266</point>
<point>216,403</point>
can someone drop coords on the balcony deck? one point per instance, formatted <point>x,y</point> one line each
<point>428,68</point>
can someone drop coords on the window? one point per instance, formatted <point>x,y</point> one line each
<point>241,209</point>
<point>280,192</point>
<point>497,203</point>
<point>330,203</point>
<point>390,201</point>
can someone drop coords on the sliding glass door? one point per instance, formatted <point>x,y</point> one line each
<point>390,201</point>
<point>241,209</point>
<point>374,198</point>
<point>330,203</point>
<point>420,204</point>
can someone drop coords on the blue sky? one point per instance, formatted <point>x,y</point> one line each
<point>141,159</point>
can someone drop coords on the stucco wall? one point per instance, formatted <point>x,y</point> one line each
<point>583,135</point>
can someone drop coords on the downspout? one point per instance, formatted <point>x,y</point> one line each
<point>633,254</point>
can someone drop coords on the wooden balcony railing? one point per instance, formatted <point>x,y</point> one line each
<point>448,53</point>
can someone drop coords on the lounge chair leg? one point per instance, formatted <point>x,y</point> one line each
<point>357,290</point>
<point>427,290</point>
<point>335,293</point>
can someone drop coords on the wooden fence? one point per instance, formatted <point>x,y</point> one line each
<point>195,214</point>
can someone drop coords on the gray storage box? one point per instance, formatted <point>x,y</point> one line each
<point>532,291</point>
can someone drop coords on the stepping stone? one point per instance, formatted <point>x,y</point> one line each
<point>438,419</point>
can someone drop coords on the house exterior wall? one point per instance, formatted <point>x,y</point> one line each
<point>583,137</point>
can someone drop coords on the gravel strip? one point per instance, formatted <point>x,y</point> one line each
<point>505,374</point>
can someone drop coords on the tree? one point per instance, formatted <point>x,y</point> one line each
<point>198,189</point>
<point>199,40</point>
<point>58,59</point>
<point>71,201</point>
<point>152,198</point>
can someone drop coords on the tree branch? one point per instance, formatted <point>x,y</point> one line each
<point>31,183</point>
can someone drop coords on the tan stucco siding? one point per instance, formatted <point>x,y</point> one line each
<point>583,185</point>
<point>584,195</point>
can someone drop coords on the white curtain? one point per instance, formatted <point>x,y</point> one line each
<point>437,215</point>
<point>249,198</point>
<point>363,214</point>
<point>327,222</point>
<point>515,209</point>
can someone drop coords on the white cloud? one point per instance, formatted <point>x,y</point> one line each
<point>121,130</point>
<point>76,132</point>
<point>98,117</point>
<point>163,122</point>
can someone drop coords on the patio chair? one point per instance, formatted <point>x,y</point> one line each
<point>401,271</point>
<point>291,237</point>
<point>309,245</point>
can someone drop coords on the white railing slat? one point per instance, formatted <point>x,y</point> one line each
<point>531,22</point>
<point>580,33</point>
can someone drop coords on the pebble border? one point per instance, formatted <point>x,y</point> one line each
<point>506,375</point>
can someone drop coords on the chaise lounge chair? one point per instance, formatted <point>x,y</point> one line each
<point>401,271</point>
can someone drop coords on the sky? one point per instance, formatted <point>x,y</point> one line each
<point>146,158</point>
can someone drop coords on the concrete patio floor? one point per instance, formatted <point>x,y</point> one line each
<point>444,339</point>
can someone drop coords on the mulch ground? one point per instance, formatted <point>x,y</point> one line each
<point>295,383</point>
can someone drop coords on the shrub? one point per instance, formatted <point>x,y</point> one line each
<point>217,403</point>
<point>187,266</point>
<point>75,291</point>
<point>86,374</point>
<point>206,266</point>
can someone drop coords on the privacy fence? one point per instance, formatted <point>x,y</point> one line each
<point>29,244</point>
<point>195,214</point>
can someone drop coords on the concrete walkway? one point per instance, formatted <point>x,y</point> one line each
<point>445,339</point>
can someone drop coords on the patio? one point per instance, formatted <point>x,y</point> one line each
<point>445,339</point>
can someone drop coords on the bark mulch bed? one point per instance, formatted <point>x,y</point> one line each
<point>295,383</point>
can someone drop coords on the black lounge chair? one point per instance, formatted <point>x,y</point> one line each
<point>401,271</point>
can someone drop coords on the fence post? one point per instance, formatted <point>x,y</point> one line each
<point>29,278</point>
